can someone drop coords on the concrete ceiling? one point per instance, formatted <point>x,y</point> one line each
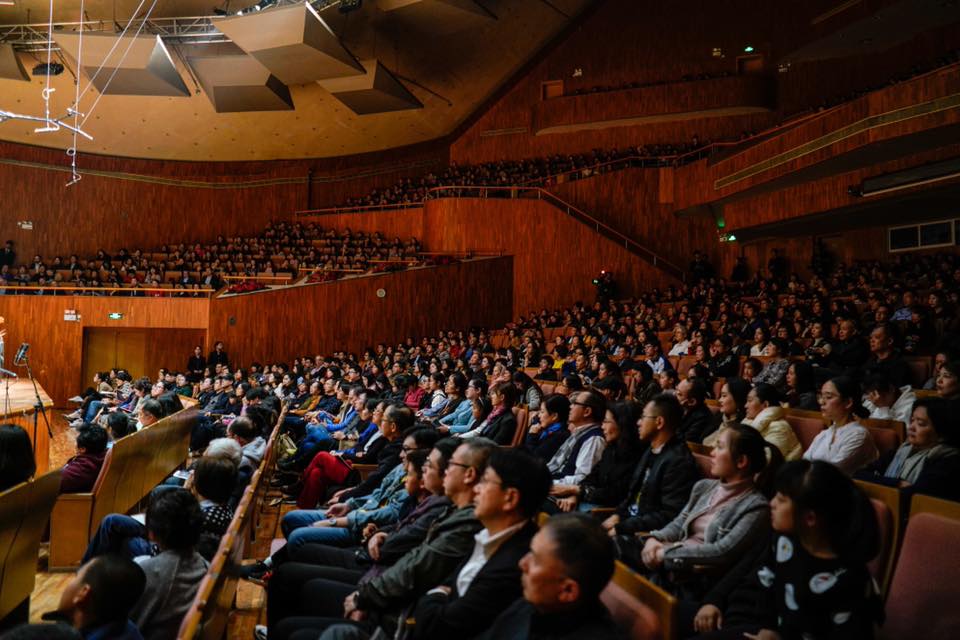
<point>457,66</point>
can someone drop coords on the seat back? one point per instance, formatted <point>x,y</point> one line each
<point>806,424</point>
<point>643,610</point>
<point>24,512</point>
<point>886,504</point>
<point>920,368</point>
<point>684,364</point>
<point>926,581</point>
<point>523,423</point>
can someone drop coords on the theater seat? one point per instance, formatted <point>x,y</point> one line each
<point>805,426</point>
<point>926,582</point>
<point>640,608</point>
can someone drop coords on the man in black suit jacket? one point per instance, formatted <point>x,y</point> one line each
<point>508,496</point>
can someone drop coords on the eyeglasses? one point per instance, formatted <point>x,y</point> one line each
<point>486,480</point>
<point>459,464</point>
<point>578,403</point>
<point>646,417</point>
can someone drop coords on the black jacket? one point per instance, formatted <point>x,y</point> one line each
<point>501,428</point>
<point>608,482</point>
<point>522,622</point>
<point>496,585</point>
<point>544,446</point>
<point>659,489</point>
<point>696,423</point>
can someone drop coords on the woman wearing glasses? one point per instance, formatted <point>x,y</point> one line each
<point>845,443</point>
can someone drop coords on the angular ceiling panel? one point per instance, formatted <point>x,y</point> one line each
<point>440,17</point>
<point>293,42</point>
<point>138,66</point>
<point>240,83</point>
<point>10,65</point>
<point>376,92</point>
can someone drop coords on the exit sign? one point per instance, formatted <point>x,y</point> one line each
<point>115,315</point>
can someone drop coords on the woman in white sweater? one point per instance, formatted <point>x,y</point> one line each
<point>845,443</point>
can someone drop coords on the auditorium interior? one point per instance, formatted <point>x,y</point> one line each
<point>490,319</point>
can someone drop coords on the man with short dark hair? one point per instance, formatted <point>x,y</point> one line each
<point>174,522</point>
<point>98,600</point>
<point>570,562</point>
<point>661,484</point>
<point>506,499</point>
<point>884,358</point>
<point>80,472</point>
<point>251,442</point>
<point>697,418</point>
<point>151,411</point>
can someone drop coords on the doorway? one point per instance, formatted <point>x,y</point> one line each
<point>142,352</point>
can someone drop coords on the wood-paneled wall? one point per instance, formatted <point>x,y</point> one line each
<point>56,345</point>
<point>630,201</point>
<point>555,256</point>
<point>131,211</point>
<point>349,315</point>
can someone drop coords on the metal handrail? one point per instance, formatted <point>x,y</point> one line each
<point>14,289</point>
<point>541,194</point>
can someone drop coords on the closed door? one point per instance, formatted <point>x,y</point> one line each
<point>105,349</point>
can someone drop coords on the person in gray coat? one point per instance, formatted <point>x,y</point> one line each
<point>724,517</point>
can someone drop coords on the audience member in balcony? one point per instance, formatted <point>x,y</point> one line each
<point>886,401</point>
<point>549,431</point>
<point>697,418</point>
<point>765,414</point>
<point>16,456</point>
<point>732,403</point>
<point>174,522</point>
<point>570,562</point>
<point>812,579</point>
<point>845,442</point>
<point>724,518</point>
<point>609,480</point>
<point>80,472</point>
<point>801,387</point>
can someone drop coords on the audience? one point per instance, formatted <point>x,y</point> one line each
<point>80,472</point>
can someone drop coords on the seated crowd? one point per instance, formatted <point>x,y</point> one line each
<point>417,484</point>
<point>284,248</point>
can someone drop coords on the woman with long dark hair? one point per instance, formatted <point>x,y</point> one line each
<point>609,480</point>
<point>16,456</point>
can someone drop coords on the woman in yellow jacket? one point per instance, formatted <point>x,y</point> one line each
<point>765,414</point>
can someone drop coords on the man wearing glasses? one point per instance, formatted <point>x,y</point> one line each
<point>575,458</point>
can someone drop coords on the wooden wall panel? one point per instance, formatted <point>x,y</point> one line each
<point>630,201</point>
<point>348,314</point>
<point>56,345</point>
<point>555,256</point>
<point>111,212</point>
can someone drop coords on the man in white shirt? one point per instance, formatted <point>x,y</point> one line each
<point>575,458</point>
<point>507,498</point>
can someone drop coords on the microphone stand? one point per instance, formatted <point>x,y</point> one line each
<point>37,407</point>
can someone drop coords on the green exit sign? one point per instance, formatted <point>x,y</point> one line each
<point>115,315</point>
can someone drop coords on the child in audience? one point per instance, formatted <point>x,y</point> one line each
<point>812,579</point>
